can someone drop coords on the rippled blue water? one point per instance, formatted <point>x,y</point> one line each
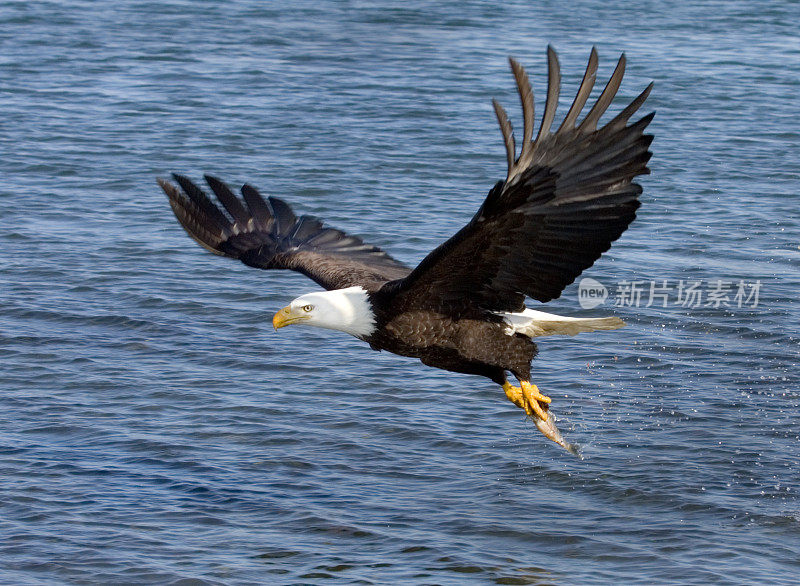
<point>153,427</point>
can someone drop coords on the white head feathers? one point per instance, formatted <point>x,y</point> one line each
<point>347,310</point>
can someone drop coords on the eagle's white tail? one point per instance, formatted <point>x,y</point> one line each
<point>534,323</point>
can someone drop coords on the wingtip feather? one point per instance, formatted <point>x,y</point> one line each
<point>526,99</point>
<point>508,133</point>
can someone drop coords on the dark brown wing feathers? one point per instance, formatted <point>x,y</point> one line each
<point>566,198</point>
<point>266,234</point>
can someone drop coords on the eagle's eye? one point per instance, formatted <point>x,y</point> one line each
<point>308,308</point>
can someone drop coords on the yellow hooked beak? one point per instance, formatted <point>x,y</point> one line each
<point>285,317</point>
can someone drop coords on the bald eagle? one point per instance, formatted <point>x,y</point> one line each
<point>567,196</point>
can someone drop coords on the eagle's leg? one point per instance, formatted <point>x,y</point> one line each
<point>514,394</point>
<point>527,397</point>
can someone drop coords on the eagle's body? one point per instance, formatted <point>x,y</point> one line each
<point>567,196</point>
<point>470,344</point>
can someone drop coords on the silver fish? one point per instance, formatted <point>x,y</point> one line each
<point>550,431</point>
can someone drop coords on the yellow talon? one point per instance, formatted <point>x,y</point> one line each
<point>527,397</point>
<point>534,391</point>
<point>533,397</point>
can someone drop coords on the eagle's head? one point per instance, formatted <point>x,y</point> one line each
<point>347,310</point>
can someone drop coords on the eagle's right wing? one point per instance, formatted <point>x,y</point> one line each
<point>266,234</point>
<point>568,195</point>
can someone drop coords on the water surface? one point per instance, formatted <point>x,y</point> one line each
<point>153,427</point>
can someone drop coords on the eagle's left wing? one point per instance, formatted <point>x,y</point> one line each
<point>566,198</point>
<point>266,234</point>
